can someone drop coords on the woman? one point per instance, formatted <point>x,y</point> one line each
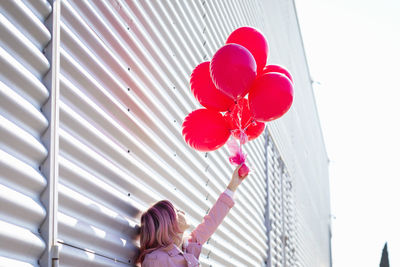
<point>162,227</point>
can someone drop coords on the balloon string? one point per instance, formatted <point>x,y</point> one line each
<point>237,120</point>
<point>240,114</point>
<point>248,123</point>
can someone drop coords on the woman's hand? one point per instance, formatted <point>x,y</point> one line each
<point>236,180</point>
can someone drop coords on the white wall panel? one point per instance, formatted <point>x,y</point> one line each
<point>22,123</point>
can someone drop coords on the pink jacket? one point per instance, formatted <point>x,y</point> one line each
<point>172,256</point>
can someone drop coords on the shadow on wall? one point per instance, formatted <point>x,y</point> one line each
<point>95,234</point>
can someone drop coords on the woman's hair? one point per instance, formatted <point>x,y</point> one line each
<point>159,227</point>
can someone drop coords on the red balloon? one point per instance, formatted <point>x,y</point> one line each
<point>279,69</point>
<point>270,96</point>
<point>205,91</point>
<point>233,70</point>
<point>254,130</point>
<point>254,41</point>
<point>205,130</point>
<point>240,117</point>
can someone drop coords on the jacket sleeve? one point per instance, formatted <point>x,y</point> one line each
<point>213,219</point>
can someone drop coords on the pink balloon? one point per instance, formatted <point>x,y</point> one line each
<point>270,96</point>
<point>233,70</point>
<point>205,130</point>
<point>254,41</point>
<point>279,69</point>
<point>205,91</point>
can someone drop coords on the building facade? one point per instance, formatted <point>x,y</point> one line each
<point>92,98</point>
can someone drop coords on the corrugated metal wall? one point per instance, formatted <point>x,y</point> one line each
<point>22,123</point>
<point>118,101</point>
<point>125,69</point>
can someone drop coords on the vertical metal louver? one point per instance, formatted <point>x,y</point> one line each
<point>275,211</point>
<point>22,123</point>
<point>290,224</point>
<point>281,214</point>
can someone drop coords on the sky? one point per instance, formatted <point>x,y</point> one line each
<point>353,52</point>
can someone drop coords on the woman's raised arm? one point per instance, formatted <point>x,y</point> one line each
<point>218,211</point>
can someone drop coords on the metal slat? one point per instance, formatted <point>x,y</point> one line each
<point>41,8</point>
<point>72,256</point>
<point>22,94</point>
<point>21,112</point>
<point>19,244</point>
<point>20,209</point>
<point>22,49</point>
<point>26,21</point>
<point>20,176</point>
<point>16,76</point>
<point>21,144</point>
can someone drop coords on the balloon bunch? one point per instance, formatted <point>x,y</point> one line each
<point>238,69</point>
